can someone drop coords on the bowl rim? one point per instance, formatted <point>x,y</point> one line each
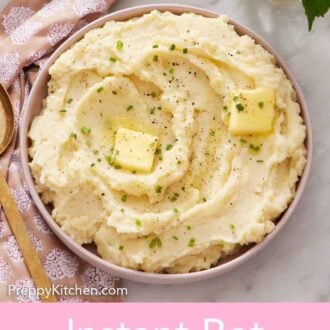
<point>135,275</point>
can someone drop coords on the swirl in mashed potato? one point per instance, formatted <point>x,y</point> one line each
<point>202,189</point>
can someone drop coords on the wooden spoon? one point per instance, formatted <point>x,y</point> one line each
<point>15,220</point>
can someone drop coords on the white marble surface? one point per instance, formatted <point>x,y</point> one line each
<point>296,265</point>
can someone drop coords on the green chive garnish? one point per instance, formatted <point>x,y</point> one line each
<point>156,242</point>
<point>120,45</point>
<point>85,130</point>
<point>169,147</point>
<point>192,242</point>
<point>254,147</point>
<point>239,107</point>
<point>158,189</point>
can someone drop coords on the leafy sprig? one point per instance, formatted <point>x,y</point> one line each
<point>315,8</point>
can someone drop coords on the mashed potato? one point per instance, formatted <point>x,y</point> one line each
<point>208,182</point>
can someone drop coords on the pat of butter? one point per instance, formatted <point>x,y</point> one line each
<point>252,111</point>
<point>134,150</point>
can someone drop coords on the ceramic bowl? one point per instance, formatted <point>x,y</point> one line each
<point>34,106</point>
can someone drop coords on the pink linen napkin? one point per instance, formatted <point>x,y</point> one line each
<point>29,31</point>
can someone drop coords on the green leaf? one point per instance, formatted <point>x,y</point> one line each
<point>315,8</point>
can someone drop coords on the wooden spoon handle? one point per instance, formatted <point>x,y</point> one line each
<point>29,253</point>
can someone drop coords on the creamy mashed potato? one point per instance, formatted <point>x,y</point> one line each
<point>139,148</point>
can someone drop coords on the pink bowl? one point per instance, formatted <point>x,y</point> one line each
<point>34,106</point>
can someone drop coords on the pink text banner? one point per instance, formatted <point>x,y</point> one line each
<point>147,316</point>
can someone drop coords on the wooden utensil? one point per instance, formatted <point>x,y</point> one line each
<point>15,220</point>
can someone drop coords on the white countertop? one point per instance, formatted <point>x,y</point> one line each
<point>296,265</point>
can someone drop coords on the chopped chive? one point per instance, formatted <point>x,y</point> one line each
<point>156,242</point>
<point>155,46</point>
<point>174,197</point>
<point>158,151</point>
<point>109,159</point>
<point>119,45</point>
<point>171,70</point>
<point>85,130</point>
<point>225,108</point>
<point>242,140</point>
<point>212,132</point>
<point>153,94</point>
<point>129,108</point>
<point>239,107</point>
<point>155,58</point>
<point>138,222</point>
<point>175,237</point>
<point>114,92</point>
<point>261,105</point>
<point>235,98</point>
<point>62,111</point>
<point>73,135</point>
<point>185,50</point>
<point>204,199</point>
<point>188,227</point>
<point>232,226</point>
<point>120,248</point>
<point>221,245</point>
<point>192,242</point>
<point>117,167</point>
<point>254,147</point>
<point>175,210</point>
<point>93,164</point>
<point>100,89</point>
<point>169,147</point>
<point>158,189</point>
<point>95,152</point>
<point>112,59</point>
<point>172,47</point>
<point>260,161</point>
<point>69,101</point>
<point>124,198</point>
<point>122,210</point>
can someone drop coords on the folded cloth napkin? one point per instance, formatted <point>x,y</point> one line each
<point>29,31</point>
